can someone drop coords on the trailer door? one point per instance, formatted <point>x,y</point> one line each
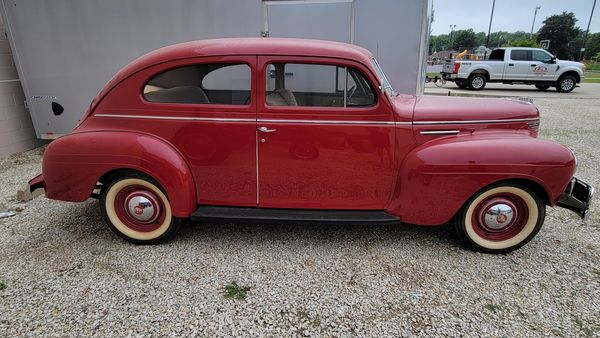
<point>310,20</point>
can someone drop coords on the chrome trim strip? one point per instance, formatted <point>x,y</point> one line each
<point>477,121</point>
<point>213,119</point>
<point>330,122</point>
<point>227,119</point>
<point>438,132</point>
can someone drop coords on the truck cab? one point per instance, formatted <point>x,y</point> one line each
<point>516,65</point>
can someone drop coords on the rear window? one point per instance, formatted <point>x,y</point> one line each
<point>520,55</point>
<point>219,83</point>
<point>497,55</point>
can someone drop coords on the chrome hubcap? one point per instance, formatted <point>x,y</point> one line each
<point>499,216</point>
<point>567,84</point>
<point>142,206</point>
<point>477,82</point>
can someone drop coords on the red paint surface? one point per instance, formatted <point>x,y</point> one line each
<point>424,179</point>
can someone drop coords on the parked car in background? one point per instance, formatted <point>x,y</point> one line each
<point>304,130</point>
<point>516,65</point>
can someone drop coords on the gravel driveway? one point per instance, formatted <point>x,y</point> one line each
<point>62,272</point>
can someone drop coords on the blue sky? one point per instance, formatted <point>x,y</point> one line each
<point>509,15</point>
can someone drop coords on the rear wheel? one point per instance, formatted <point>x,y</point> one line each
<point>477,81</point>
<point>566,84</point>
<point>542,87</point>
<point>500,218</point>
<point>136,208</point>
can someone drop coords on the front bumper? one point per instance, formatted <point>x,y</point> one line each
<point>577,197</point>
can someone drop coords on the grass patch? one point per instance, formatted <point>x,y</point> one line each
<point>433,74</point>
<point>2,285</point>
<point>234,291</point>
<point>492,307</point>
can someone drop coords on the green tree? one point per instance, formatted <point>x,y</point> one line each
<point>464,38</point>
<point>592,46</point>
<point>560,29</point>
<point>523,43</point>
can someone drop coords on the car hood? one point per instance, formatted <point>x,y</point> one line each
<point>565,63</point>
<point>446,108</point>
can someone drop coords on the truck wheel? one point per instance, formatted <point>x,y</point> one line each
<point>477,81</point>
<point>461,84</point>
<point>542,87</point>
<point>136,208</point>
<point>500,218</point>
<point>566,84</point>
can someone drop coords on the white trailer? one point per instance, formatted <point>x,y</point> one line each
<point>65,51</point>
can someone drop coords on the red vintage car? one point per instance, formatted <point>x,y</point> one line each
<point>303,130</point>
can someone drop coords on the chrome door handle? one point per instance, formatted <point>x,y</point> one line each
<point>266,130</point>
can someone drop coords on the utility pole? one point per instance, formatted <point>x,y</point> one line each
<point>537,8</point>
<point>587,32</point>
<point>487,42</point>
<point>451,39</point>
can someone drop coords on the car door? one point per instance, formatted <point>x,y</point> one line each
<point>518,65</point>
<point>542,68</point>
<point>325,136</point>
<point>206,108</point>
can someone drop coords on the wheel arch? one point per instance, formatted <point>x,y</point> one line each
<point>483,71</point>
<point>572,73</point>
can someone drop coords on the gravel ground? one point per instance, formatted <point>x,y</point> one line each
<point>63,273</point>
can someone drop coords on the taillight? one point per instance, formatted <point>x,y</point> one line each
<point>456,67</point>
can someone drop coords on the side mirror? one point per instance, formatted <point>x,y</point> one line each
<point>553,60</point>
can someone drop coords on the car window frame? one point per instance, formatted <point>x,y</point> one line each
<point>528,54</point>
<point>181,63</point>
<point>265,60</point>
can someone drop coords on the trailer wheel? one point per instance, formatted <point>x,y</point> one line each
<point>566,84</point>
<point>477,81</point>
<point>136,208</point>
<point>500,218</point>
<point>542,87</point>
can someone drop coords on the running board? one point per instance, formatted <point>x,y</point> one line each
<point>213,213</point>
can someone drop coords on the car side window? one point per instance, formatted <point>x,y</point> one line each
<point>314,85</point>
<point>218,83</point>
<point>520,55</point>
<point>540,56</point>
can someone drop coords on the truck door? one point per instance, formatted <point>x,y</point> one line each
<point>541,68</point>
<point>518,64</point>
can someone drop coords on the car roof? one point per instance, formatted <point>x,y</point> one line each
<point>249,46</point>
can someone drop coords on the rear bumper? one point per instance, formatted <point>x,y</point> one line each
<point>577,197</point>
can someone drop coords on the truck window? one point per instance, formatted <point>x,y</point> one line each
<point>541,56</point>
<point>520,55</point>
<point>497,55</point>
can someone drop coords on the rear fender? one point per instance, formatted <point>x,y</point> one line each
<point>438,177</point>
<point>73,164</point>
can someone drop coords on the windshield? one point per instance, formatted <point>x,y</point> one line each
<point>385,84</point>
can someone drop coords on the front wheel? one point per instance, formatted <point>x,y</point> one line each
<point>477,81</point>
<point>500,218</point>
<point>566,84</point>
<point>137,209</point>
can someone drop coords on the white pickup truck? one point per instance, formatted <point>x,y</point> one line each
<point>532,66</point>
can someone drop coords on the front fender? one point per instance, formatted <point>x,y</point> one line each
<point>74,163</point>
<point>438,177</point>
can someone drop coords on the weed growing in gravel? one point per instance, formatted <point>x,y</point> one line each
<point>2,285</point>
<point>234,291</point>
<point>492,307</point>
<point>586,330</point>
